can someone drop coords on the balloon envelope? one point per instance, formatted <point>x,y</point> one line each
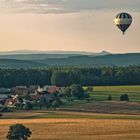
<point>123,21</point>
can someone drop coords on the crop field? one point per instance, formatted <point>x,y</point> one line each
<point>82,126</point>
<point>101,92</point>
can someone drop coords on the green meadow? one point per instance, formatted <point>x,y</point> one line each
<point>101,93</point>
<point>99,102</point>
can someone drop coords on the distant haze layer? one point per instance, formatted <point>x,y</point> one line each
<point>81,25</point>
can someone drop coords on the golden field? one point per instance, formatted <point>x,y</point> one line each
<point>76,129</point>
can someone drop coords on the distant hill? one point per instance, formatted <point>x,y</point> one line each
<point>105,60</point>
<point>11,63</point>
<point>40,55</point>
<point>35,56</point>
<point>50,60</point>
<point>50,52</point>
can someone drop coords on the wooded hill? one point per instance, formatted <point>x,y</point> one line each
<point>54,60</point>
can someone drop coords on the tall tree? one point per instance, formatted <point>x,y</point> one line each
<point>77,91</point>
<point>18,132</point>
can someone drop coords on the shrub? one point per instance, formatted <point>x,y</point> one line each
<point>124,97</point>
<point>109,97</point>
<point>55,104</point>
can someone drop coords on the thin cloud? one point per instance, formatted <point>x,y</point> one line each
<point>64,6</point>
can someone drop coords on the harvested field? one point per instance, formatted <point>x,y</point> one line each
<point>77,129</point>
<point>59,125</point>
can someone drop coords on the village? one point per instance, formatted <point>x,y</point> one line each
<point>35,97</point>
<point>25,96</point>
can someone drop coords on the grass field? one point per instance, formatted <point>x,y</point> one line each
<point>113,107</point>
<point>100,104</point>
<point>101,92</point>
<point>66,115</point>
<point>82,126</point>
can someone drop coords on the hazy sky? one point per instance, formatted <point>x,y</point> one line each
<point>82,25</point>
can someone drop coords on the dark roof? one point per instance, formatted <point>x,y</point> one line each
<point>4,90</point>
<point>3,96</point>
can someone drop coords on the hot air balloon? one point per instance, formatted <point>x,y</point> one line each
<point>123,21</point>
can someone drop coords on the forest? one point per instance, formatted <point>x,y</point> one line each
<point>97,76</point>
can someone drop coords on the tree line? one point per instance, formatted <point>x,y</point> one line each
<point>68,76</point>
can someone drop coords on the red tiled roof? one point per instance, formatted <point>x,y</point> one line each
<point>53,89</point>
<point>35,97</point>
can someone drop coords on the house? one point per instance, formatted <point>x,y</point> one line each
<point>33,88</point>
<point>48,96</point>
<point>11,102</point>
<point>53,89</point>
<point>49,89</point>
<point>5,91</point>
<point>3,98</point>
<point>20,90</point>
<point>36,97</point>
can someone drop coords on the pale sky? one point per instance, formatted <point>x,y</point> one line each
<point>70,25</point>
